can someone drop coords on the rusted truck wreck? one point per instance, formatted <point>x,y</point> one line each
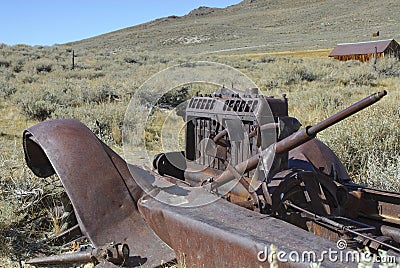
<point>249,184</point>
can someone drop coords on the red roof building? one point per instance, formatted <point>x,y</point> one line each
<point>364,51</point>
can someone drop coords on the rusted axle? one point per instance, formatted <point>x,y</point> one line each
<point>76,257</point>
<point>299,137</point>
<point>116,254</point>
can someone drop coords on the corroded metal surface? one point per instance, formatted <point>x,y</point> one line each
<point>116,255</point>
<point>315,155</point>
<point>224,235</point>
<point>99,185</point>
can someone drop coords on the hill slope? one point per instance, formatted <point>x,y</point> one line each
<point>258,25</point>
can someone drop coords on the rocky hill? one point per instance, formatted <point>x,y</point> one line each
<point>258,25</point>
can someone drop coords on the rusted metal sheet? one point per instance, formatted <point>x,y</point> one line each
<point>316,156</point>
<point>379,205</point>
<point>222,234</point>
<point>99,185</point>
<point>360,48</point>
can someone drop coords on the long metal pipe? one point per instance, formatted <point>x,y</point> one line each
<point>299,137</point>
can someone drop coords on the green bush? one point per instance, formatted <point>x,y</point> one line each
<point>388,67</point>
<point>84,74</point>
<point>104,119</point>
<point>4,63</point>
<point>18,66</point>
<point>44,67</point>
<point>6,89</point>
<point>39,106</point>
<point>99,94</point>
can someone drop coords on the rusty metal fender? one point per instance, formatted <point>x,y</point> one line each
<point>102,191</point>
<point>313,156</point>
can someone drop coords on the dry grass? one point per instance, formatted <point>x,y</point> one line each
<point>37,84</point>
<point>304,54</point>
<point>300,54</point>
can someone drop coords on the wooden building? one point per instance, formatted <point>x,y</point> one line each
<point>364,51</point>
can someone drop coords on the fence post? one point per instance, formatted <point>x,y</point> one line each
<point>73,59</point>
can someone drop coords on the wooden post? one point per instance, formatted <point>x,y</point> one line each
<point>375,58</point>
<point>73,59</point>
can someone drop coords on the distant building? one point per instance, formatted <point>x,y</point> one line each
<point>364,51</point>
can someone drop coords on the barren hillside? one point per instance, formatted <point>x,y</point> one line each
<point>258,25</point>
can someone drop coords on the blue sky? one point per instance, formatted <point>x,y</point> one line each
<point>49,22</point>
